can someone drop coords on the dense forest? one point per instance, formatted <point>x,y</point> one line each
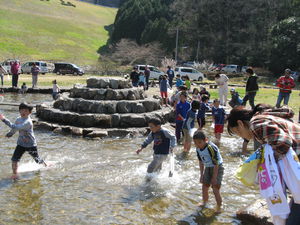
<point>262,33</point>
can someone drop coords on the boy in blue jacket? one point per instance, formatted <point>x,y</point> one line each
<point>182,107</point>
<point>164,143</point>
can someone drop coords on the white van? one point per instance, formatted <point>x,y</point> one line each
<point>26,67</point>
<point>230,69</point>
<point>154,71</point>
<point>191,72</point>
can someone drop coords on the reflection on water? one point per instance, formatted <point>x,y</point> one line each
<point>103,182</point>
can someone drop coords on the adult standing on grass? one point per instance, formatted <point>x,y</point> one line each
<point>222,82</point>
<point>14,69</point>
<point>147,76</point>
<point>286,84</point>
<point>251,88</point>
<point>171,76</point>
<point>35,72</point>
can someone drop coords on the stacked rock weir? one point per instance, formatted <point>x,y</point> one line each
<point>106,105</point>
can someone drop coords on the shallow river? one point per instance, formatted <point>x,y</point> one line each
<point>103,182</point>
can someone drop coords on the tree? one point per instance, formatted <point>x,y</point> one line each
<point>285,52</point>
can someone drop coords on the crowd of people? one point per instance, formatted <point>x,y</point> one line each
<point>264,124</point>
<point>15,71</point>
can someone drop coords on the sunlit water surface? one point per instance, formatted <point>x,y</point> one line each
<point>103,182</point>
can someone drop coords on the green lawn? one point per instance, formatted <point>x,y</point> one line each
<point>47,30</point>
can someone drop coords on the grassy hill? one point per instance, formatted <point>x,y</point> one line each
<point>49,30</point>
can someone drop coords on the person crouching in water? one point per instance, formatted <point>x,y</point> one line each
<point>164,143</point>
<point>211,168</point>
<point>26,141</point>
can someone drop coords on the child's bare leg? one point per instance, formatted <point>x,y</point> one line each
<point>216,190</point>
<point>15,170</point>
<point>187,146</point>
<point>205,188</point>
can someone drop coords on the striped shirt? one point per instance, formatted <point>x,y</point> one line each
<point>276,128</point>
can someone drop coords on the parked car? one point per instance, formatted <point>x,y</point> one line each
<point>154,71</point>
<point>67,68</point>
<point>191,72</point>
<point>26,67</point>
<point>190,64</point>
<point>6,64</point>
<point>216,67</point>
<point>231,69</point>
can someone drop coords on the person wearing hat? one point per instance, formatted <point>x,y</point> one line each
<point>286,84</point>
<point>235,98</point>
<point>26,140</point>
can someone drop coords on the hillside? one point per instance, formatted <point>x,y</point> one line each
<point>49,30</point>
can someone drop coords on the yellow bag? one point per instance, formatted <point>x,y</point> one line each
<point>247,172</point>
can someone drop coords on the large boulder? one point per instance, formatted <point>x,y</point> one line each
<point>123,107</point>
<point>97,133</point>
<point>133,120</point>
<point>111,94</point>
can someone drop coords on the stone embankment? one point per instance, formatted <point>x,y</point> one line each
<point>102,106</point>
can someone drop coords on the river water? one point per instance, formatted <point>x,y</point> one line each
<point>103,182</point>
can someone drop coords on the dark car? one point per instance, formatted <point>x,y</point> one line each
<point>67,68</point>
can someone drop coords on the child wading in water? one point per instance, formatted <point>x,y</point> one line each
<point>211,168</point>
<point>218,115</point>
<point>188,125</point>
<point>164,143</point>
<point>26,141</point>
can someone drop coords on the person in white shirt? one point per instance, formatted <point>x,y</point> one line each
<point>56,90</point>
<point>222,82</point>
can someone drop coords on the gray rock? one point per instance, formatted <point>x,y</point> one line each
<point>58,103</point>
<point>92,93</point>
<point>150,105</point>
<point>86,120</point>
<point>138,108</point>
<point>58,130</point>
<point>111,94</point>
<point>115,120</point>
<point>123,107</point>
<point>131,95</point>
<point>92,82</point>
<point>118,132</point>
<point>44,125</point>
<point>102,121</point>
<point>95,134</point>
<point>111,107</point>
<point>100,108</point>
<point>104,83</point>
<point>133,121</point>
<point>67,104</point>
<point>114,83</point>
<point>76,131</point>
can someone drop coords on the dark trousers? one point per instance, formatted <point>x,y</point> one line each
<point>2,78</point>
<point>178,129</point>
<point>171,82</point>
<point>147,82</point>
<point>15,78</point>
<point>249,96</point>
<point>294,217</point>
